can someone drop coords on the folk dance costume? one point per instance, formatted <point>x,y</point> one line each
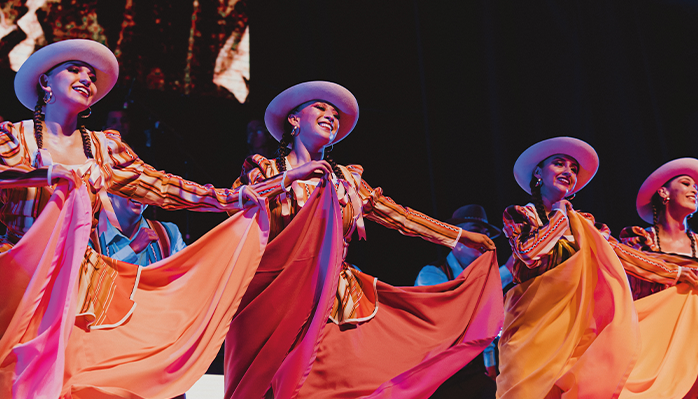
<point>310,326</point>
<point>667,366</point>
<point>76,324</point>
<point>344,315</point>
<point>570,330</point>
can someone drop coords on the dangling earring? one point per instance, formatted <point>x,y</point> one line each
<point>294,132</point>
<point>665,200</point>
<point>539,182</point>
<point>89,112</point>
<point>47,96</point>
<point>571,197</point>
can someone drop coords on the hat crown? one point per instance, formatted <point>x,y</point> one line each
<point>471,212</point>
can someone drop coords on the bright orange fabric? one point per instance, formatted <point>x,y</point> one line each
<point>39,286</point>
<point>667,366</point>
<point>184,307</point>
<point>571,332</point>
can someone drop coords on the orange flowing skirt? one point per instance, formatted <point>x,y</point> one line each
<point>571,332</point>
<point>183,307</point>
<point>282,341</point>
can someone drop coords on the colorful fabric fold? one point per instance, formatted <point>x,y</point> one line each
<point>667,366</point>
<point>184,307</point>
<point>287,303</point>
<point>419,337</point>
<point>39,285</point>
<point>571,332</point>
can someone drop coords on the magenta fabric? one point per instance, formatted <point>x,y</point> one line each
<point>287,303</point>
<point>32,347</point>
<point>281,337</point>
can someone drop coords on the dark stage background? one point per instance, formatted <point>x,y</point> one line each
<point>450,94</point>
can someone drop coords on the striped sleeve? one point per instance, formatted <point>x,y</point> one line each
<point>261,174</point>
<point>634,241</point>
<point>14,172</point>
<point>638,264</point>
<point>528,240</point>
<point>383,210</point>
<point>133,178</point>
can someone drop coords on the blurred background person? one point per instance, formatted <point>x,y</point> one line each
<point>139,240</point>
<point>259,141</point>
<point>472,380</point>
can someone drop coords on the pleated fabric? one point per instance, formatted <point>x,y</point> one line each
<point>282,344</point>
<point>571,332</point>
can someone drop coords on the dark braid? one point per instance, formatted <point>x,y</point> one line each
<point>655,223</point>
<point>38,123</point>
<point>283,151</point>
<point>537,200</point>
<point>39,129</point>
<point>86,142</point>
<point>333,164</point>
<point>693,241</point>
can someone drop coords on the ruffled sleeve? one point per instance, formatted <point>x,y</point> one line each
<point>262,173</point>
<point>15,169</point>
<point>529,241</point>
<point>383,210</point>
<point>638,238</point>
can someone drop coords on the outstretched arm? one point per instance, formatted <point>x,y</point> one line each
<point>383,210</point>
<point>131,177</point>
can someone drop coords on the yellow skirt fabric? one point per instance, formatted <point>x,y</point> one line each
<point>668,363</point>
<point>571,332</point>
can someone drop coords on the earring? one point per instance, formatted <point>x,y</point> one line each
<point>47,96</point>
<point>665,200</point>
<point>539,182</point>
<point>294,132</point>
<point>571,197</point>
<point>89,112</point>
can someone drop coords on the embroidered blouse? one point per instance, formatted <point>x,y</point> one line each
<point>538,248</point>
<point>358,200</point>
<point>24,192</point>
<point>659,275</point>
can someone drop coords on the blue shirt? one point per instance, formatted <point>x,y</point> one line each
<point>115,244</point>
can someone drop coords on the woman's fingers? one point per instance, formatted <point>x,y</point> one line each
<point>252,196</point>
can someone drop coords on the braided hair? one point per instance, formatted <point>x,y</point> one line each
<point>283,151</point>
<point>657,203</point>
<point>39,127</point>
<point>537,199</point>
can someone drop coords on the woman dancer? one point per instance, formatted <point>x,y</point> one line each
<point>48,271</point>
<point>334,331</point>
<point>569,325</point>
<point>667,366</point>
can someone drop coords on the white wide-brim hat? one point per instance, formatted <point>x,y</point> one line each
<point>93,53</point>
<point>666,172</point>
<point>341,98</point>
<point>582,152</point>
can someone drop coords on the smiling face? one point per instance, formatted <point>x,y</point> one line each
<point>318,123</point>
<point>681,191</point>
<point>558,175</point>
<point>72,84</point>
